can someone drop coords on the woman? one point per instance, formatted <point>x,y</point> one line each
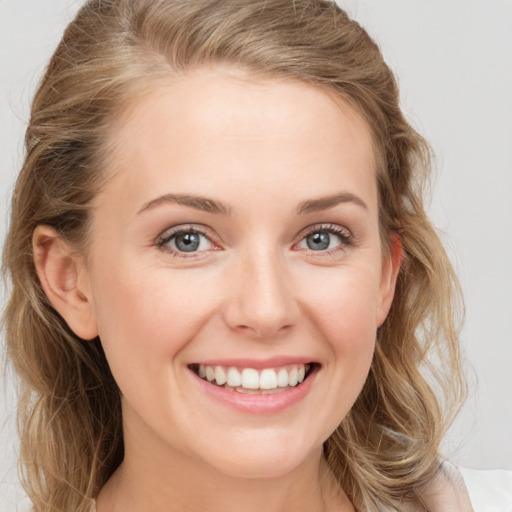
<point>225,289</point>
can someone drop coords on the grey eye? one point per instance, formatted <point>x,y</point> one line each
<point>318,241</point>
<point>187,242</point>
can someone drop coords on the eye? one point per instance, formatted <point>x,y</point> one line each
<point>320,241</point>
<point>325,238</point>
<point>183,241</point>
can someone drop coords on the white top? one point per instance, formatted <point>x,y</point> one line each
<point>489,490</point>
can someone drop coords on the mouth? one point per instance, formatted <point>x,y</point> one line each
<point>264,381</point>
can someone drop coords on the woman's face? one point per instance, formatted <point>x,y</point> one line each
<point>238,240</point>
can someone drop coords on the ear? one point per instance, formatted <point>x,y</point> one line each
<point>390,268</point>
<point>64,278</point>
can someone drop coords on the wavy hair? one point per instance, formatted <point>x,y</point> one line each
<point>69,412</point>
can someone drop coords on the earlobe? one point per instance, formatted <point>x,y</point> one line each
<point>390,270</point>
<point>63,276</point>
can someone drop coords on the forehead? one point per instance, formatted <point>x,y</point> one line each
<point>214,122</point>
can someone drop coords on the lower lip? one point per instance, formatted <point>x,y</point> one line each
<point>258,404</point>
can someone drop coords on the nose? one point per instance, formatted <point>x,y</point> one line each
<point>261,302</point>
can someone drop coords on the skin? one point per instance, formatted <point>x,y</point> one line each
<point>254,290</point>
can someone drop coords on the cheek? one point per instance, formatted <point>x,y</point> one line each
<point>342,316</point>
<point>344,306</point>
<point>154,313</point>
<point>144,324</point>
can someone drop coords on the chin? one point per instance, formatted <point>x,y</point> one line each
<point>263,456</point>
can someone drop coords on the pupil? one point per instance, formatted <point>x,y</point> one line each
<point>188,242</point>
<point>318,241</point>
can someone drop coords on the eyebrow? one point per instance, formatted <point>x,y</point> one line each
<point>324,203</point>
<point>217,207</point>
<point>199,203</point>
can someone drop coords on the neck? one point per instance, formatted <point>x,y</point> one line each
<point>166,480</point>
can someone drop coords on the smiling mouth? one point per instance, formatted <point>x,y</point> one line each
<point>252,381</point>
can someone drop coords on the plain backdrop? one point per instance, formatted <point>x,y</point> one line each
<point>453,59</point>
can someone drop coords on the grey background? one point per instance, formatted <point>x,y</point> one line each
<point>453,59</point>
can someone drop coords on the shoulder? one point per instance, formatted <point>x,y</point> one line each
<point>468,490</point>
<point>489,490</point>
<point>446,492</point>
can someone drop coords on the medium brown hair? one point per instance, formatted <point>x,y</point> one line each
<point>70,413</point>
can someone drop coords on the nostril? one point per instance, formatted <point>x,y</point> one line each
<point>263,330</point>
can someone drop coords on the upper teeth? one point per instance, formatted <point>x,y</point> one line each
<point>249,378</point>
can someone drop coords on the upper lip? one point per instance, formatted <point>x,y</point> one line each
<point>272,362</point>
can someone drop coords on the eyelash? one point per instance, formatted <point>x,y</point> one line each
<point>345,236</point>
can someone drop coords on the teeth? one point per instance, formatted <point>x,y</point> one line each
<point>293,376</point>
<point>249,380</point>
<point>220,376</point>
<point>234,378</point>
<point>268,379</point>
<point>210,373</point>
<point>282,378</point>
